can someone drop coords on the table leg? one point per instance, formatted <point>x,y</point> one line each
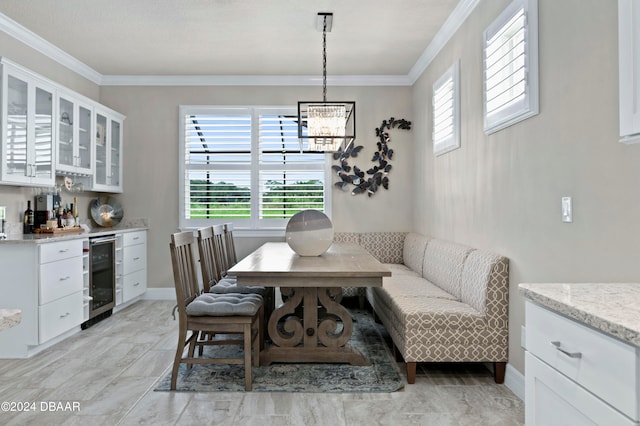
<point>314,337</point>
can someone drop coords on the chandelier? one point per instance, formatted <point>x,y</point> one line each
<point>329,125</point>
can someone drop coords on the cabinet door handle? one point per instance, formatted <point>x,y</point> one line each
<point>136,284</point>
<point>65,315</point>
<point>63,250</point>
<point>136,238</point>
<point>136,258</point>
<point>65,278</point>
<point>558,345</point>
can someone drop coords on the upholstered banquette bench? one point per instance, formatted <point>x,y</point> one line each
<point>444,302</point>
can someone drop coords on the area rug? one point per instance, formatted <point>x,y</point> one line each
<point>381,376</point>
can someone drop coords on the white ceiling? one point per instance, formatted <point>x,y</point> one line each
<point>235,37</point>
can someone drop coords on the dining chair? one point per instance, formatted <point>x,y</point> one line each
<point>211,247</point>
<point>212,314</point>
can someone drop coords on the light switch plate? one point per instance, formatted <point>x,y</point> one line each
<point>567,210</point>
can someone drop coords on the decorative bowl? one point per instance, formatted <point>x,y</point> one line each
<point>106,211</point>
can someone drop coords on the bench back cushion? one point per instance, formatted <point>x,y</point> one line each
<point>481,271</point>
<point>413,251</point>
<point>384,246</point>
<point>443,261</point>
<point>347,237</point>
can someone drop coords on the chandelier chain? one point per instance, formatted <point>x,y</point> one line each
<point>324,60</point>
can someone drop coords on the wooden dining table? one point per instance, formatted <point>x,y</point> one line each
<point>311,325</point>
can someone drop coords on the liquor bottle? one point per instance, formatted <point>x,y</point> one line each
<point>28,226</point>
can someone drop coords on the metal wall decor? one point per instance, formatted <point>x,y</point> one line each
<point>354,177</point>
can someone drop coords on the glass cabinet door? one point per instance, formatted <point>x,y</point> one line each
<point>28,139</point>
<point>43,149</point>
<point>66,121</point>
<point>83,156</point>
<point>74,136</point>
<point>115,153</point>
<point>100,173</point>
<point>16,137</point>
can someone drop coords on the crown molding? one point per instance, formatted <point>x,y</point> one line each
<point>36,42</point>
<point>450,26</point>
<point>253,80</point>
<point>448,29</point>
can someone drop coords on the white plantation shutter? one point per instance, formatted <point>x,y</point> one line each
<point>446,111</point>
<point>289,181</point>
<point>511,66</point>
<point>243,165</point>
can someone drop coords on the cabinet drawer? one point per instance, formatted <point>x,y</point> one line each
<point>59,316</point>
<point>134,285</point>
<point>59,279</point>
<point>552,399</point>
<point>131,238</point>
<point>51,252</point>
<point>134,258</point>
<point>603,365</point>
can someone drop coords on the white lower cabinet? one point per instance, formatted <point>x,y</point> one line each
<point>60,316</point>
<point>61,278</point>
<point>575,375</point>
<point>49,282</point>
<point>132,278</point>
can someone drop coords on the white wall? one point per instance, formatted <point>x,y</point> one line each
<point>502,192</point>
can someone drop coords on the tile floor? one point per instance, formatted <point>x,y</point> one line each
<point>109,370</point>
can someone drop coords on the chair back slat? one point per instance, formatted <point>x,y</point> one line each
<point>230,245</point>
<point>184,269</point>
<point>209,264</point>
<point>220,249</point>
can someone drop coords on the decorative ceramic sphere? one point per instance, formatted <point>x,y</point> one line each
<point>309,233</point>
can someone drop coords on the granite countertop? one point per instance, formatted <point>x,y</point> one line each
<point>129,226</point>
<point>9,318</point>
<point>613,308</point>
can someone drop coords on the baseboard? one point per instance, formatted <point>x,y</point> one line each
<point>514,380</point>
<point>155,293</point>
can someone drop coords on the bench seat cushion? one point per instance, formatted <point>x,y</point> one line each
<point>226,286</point>
<point>224,305</point>
<point>400,269</point>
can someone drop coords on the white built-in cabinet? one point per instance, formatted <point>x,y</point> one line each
<point>50,130</point>
<point>133,276</point>
<point>74,144</point>
<point>107,175</point>
<point>629,63</point>
<point>27,148</point>
<point>576,375</point>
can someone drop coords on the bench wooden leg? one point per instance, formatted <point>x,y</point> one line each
<point>498,371</point>
<point>411,372</point>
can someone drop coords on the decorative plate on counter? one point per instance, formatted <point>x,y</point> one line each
<point>106,211</point>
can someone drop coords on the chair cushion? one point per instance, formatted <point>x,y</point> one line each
<point>224,305</point>
<point>225,286</point>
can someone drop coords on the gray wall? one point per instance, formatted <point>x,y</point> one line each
<point>502,192</point>
<point>151,157</point>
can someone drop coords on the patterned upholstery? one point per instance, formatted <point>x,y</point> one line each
<point>385,246</point>
<point>457,313</point>
<point>442,264</point>
<point>413,251</point>
<point>346,237</point>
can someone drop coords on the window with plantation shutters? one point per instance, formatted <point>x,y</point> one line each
<point>511,66</point>
<point>244,165</point>
<point>446,111</point>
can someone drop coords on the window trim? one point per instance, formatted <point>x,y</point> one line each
<point>253,227</point>
<point>452,142</point>
<point>529,107</point>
